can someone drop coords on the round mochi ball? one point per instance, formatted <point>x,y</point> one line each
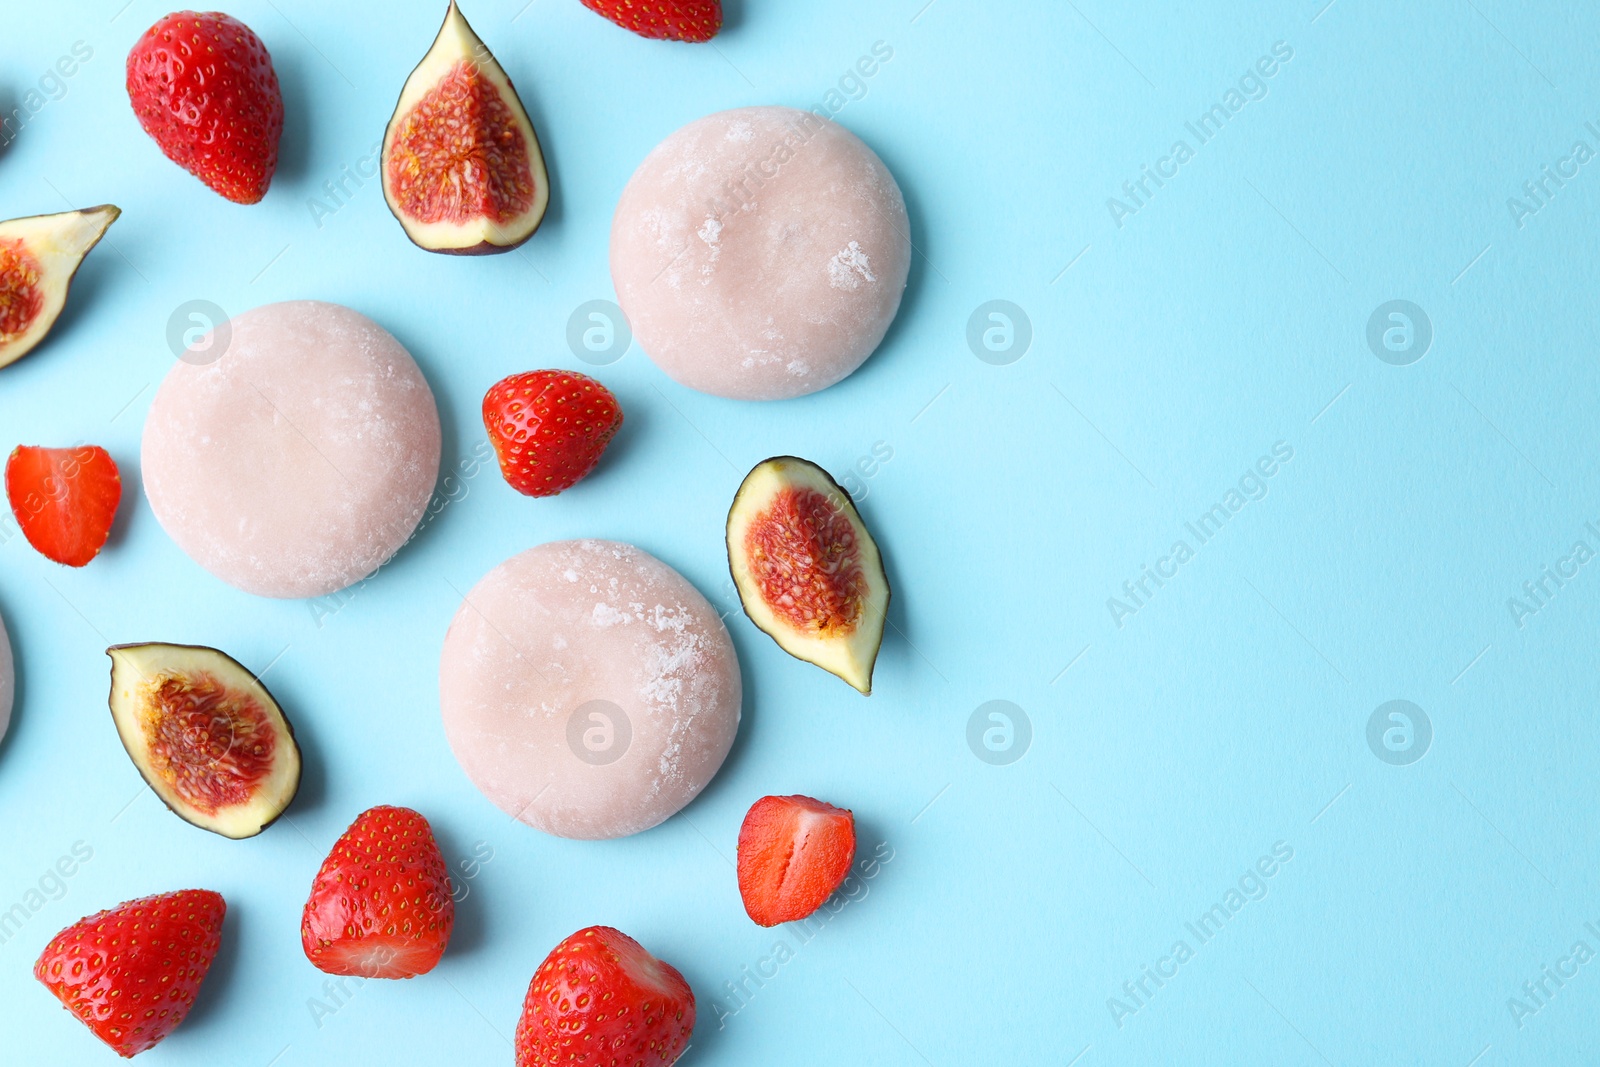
<point>292,450</point>
<point>760,253</point>
<point>588,689</point>
<point>8,680</point>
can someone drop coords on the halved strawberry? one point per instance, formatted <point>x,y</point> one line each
<point>380,907</point>
<point>131,973</point>
<point>64,499</point>
<point>793,853</point>
<point>600,1000</point>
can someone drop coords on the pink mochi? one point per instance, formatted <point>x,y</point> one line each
<point>8,680</point>
<point>588,689</point>
<point>760,253</point>
<point>301,458</point>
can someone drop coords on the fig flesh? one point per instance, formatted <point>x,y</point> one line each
<point>205,735</point>
<point>808,572</point>
<point>462,168</point>
<point>39,256</point>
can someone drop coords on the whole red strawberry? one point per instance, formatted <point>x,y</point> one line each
<point>600,1000</point>
<point>64,499</point>
<point>131,973</point>
<point>664,20</point>
<point>380,907</point>
<point>549,428</point>
<point>203,86</point>
<point>793,853</point>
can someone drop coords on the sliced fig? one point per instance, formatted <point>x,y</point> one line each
<point>205,734</point>
<point>462,169</point>
<point>807,570</point>
<point>39,256</point>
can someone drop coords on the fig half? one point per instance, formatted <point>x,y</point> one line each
<point>807,570</point>
<point>39,256</point>
<point>462,169</point>
<point>205,734</point>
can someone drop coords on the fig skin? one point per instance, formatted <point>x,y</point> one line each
<point>60,242</point>
<point>287,747</point>
<point>852,659</point>
<point>479,53</point>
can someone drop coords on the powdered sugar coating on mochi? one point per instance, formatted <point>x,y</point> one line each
<point>561,632</point>
<point>299,460</point>
<point>8,680</point>
<point>760,253</point>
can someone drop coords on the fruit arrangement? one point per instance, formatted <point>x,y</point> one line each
<point>292,453</point>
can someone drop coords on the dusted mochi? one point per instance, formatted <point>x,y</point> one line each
<point>8,680</point>
<point>760,253</point>
<point>588,689</point>
<point>299,459</point>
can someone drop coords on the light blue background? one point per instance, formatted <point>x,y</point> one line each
<point>1228,714</point>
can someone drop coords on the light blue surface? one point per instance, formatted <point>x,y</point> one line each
<point>1227,714</point>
